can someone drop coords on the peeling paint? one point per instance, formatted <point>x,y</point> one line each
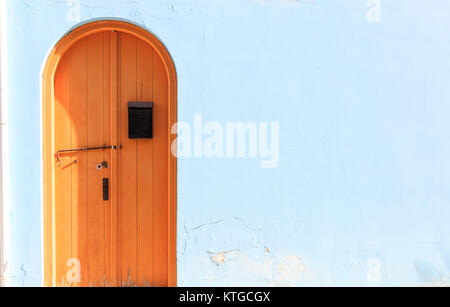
<point>221,257</point>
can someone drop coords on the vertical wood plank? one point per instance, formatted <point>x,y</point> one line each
<point>95,122</point>
<point>145,171</point>
<point>160,171</point>
<point>128,178</point>
<point>107,155</point>
<point>115,225</point>
<point>79,138</point>
<point>63,174</point>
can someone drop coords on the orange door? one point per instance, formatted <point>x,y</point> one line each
<point>120,239</point>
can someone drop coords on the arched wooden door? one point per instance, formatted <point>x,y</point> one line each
<point>110,200</point>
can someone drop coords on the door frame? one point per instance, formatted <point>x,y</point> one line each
<point>48,110</point>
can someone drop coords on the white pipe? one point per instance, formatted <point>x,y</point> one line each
<point>4,152</point>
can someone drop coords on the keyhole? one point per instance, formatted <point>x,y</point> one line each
<point>104,165</point>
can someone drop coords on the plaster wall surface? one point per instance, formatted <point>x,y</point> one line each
<point>361,193</point>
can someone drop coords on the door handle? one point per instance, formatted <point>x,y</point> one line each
<point>58,154</point>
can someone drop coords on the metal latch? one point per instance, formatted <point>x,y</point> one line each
<point>58,154</point>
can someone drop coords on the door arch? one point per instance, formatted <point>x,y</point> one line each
<point>127,257</point>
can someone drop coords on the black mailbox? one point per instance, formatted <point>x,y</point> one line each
<point>140,120</point>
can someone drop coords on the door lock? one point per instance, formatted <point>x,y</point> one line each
<point>102,165</point>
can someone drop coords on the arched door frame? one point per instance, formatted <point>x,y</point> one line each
<point>48,132</point>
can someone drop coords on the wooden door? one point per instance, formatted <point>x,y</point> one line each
<point>123,239</point>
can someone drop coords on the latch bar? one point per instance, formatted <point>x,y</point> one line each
<point>58,154</point>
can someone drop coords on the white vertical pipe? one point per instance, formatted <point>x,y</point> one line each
<point>4,151</point>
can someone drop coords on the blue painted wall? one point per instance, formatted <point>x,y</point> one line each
<point>362,192</point>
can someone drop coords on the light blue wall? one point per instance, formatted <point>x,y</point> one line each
<point>364,111</point>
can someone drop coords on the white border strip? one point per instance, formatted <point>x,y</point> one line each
<point>4,169</point>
